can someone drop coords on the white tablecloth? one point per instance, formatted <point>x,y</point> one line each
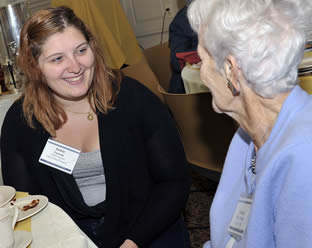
<point>53,228</point>
<point>192,81</point>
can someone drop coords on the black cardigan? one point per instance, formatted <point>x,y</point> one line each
<point>146,171</point>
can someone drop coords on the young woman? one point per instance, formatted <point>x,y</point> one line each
<point>99,145</point>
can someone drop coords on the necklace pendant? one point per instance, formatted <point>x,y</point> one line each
<point>90,116</point>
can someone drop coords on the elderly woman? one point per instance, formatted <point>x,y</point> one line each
<point>250,53</point>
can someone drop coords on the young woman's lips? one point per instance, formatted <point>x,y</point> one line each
<point>74,80</point>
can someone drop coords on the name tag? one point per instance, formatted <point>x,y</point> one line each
<point>59,156</point>
<point>239,220</point>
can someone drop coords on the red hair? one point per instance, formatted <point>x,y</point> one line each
<point>38,101</point>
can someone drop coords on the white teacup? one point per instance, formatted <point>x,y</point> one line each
<point>8,217</point>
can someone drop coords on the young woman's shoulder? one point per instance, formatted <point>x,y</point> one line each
<point>15,111</point>
<point>14,120</point>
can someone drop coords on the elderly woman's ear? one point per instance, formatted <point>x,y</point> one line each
<point>232,72</point>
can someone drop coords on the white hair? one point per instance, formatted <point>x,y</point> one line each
<point>267,38</point>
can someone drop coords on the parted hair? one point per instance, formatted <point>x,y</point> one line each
<point>267,38</point>
<point>38,101</point>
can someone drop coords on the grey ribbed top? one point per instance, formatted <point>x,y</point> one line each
<point>90,178</point>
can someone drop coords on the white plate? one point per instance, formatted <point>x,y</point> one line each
<point>21,202</point>
<point>22,239</point>
<point>6,194</point>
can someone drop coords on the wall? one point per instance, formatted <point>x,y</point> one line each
<point>148,19</point>
<point>35,5</point>
<point>145,16</point>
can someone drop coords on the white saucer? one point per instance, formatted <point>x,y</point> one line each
<point>6,194</point>
<point>22,239</point>
<point>21,202</point>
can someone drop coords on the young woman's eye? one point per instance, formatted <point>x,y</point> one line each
<point>82,50</point>
<point>57,59</point>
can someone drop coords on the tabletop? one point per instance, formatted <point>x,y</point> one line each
<point>194,84</point>
<point>53,228</point>
<point>192,81</point>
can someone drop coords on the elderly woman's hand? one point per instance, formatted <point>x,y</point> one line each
<point>128,244</point>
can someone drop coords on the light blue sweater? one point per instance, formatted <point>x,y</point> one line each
<point>281,213</point>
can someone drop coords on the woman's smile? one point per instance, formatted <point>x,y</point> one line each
<point>67,63</point>
<point>74,80</point>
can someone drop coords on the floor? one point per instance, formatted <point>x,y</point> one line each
<point>197,210</point>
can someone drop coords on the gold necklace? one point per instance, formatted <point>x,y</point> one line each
<point>89,113</point>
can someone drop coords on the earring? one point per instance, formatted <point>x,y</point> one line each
<point>232,88</point>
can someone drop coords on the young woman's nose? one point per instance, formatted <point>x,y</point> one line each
<point>74,65</point>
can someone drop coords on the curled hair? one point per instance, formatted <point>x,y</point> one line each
<point>38,101</point>
<point>267,38</point>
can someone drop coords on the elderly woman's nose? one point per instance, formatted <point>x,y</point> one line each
<point>74,65</point>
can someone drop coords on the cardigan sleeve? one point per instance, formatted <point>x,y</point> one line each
<point>13,165</point>
<point>168,168</point>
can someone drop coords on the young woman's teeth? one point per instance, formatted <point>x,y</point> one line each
<point>72,80</point>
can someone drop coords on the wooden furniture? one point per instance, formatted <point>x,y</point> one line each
<point>158,58</point>
<point>143,73</point>
<point>306,82</point>
<point>205,134</point>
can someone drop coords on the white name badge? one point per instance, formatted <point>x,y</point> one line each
<point>59,156</point>
<point>239,220</point>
